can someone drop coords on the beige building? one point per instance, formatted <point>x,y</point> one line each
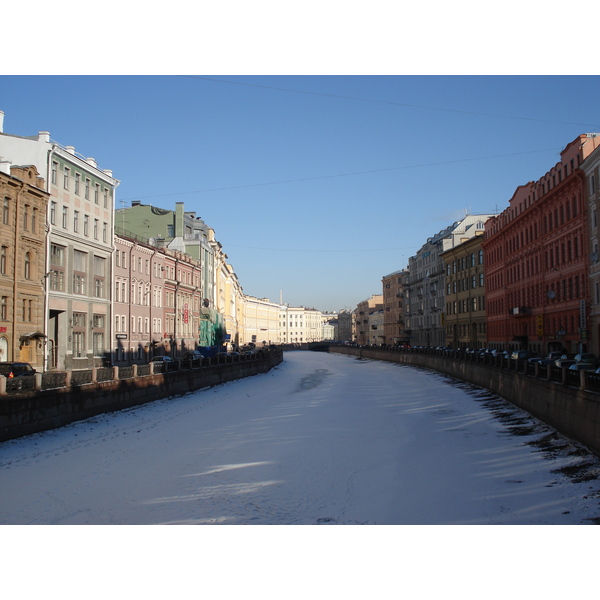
<point>362,312</point>
<point>393,306</point>
<point>465,317</point>
<point>261,322</point>
<point>22,265</point>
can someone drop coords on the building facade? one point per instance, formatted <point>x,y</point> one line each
<point>260,322</point>
<point>464,318</point>
<point>537,260</point>
<point>425,287</point>
<point>346,326</point>
<point>591,168</point>
<point>22,265</point>
<point>300,325</point>
<point>363,310</point>
<point>79,249</point>
<point>393,306</point>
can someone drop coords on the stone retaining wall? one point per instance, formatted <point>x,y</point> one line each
<point>574,411</point>
<point>32,412</point>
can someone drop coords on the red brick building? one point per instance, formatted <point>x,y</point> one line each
<point>537,260</point>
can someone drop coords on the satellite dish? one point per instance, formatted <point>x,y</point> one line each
<point>551,294</point>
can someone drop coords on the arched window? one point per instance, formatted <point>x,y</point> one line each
<point>27,271</point>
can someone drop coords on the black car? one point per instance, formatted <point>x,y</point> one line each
<point>162,359</point>
<point>16,369</point>
<point>193,355</point>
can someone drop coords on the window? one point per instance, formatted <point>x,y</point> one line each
<point>57,268</point>
<point>53,213</point>
<point>105,232</point>
<point>86,225</point>
<point>54,172</point>
<point>78,344</point>
<point>26,217</point>
<point>3,259</point>
<point>77,182</point>
<point>27,266</point>
<point>99,276</point>
<point>34,214</point>
<point>79,271</point>
<point>66,178</point>
<point>4,308</point>
<point>6,211</point>
<point>95,229</point>
<point>96,194</point>
<point>98,343</point>
<point>76,221</point>
<point>27,310</point>
<point>105,197</point>
<point>480,257</point>
<point>87,189</point>
<point>65,217</point>
<point>98,334</point>
<point>78,334</point>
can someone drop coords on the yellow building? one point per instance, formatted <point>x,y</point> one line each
<point>261,324</point>
<point>465,317</point>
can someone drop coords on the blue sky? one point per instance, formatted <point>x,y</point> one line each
<point>316,186</point>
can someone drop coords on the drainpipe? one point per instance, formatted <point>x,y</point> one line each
<point>15,270</point>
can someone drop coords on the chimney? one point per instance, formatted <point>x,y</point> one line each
<point>70,149</point>
<point>135,203</point>
<point>44,136</point>
<point>1,121</point>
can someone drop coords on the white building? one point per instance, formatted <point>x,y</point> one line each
<point>299,325</point>
<point>79,248</point>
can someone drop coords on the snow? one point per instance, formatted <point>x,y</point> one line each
<point>323,439</point>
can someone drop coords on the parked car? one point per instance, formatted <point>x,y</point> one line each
<point>193,355</point>
<point>582,367</point>
<point>162,359</point>
<point>546,361</point>
<point>522,354</point>
<point>555,355</point>
<point>16,369</point>
<point>564,362</point>
<point>535,359</point>
<point>587,357</point>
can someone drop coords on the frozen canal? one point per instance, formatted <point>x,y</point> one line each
<point>320,440</point>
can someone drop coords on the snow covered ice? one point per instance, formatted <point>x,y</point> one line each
<point>323,439</point>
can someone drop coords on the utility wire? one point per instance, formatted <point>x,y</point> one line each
<point>389,102</point>
<point>436,164</point>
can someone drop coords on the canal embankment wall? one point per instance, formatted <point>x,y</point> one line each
<point>34,411</point>
<point>564,402</point>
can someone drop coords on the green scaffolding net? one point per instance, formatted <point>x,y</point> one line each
<point>212,328</point>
